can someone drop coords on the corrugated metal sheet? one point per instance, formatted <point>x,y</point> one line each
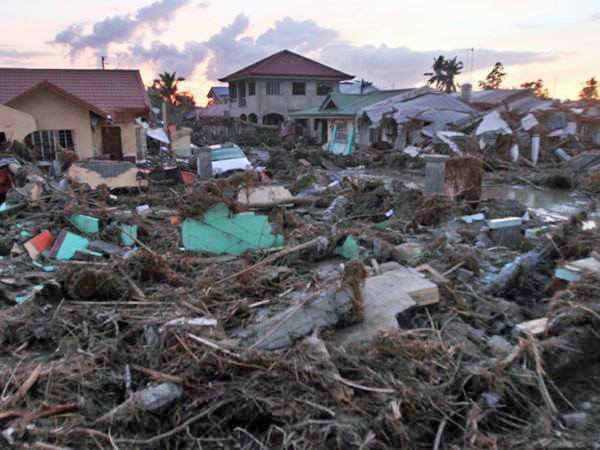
<point>425,103</point>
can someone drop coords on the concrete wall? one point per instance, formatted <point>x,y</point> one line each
<point>54,112</point>
<point>16,124</point>
<point>262,104</point>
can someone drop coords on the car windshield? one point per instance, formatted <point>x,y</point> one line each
<point>226,153</point>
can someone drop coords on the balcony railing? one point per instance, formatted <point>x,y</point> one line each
<point>242,102</point>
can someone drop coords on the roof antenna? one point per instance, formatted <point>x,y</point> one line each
<point>103,59</point>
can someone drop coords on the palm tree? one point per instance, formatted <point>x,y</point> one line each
<point>590,90</point>
<point>437,76</point>
<point>453,68</point>
<point>165,89</point>
<point>166,86</point>
<point>444,71</point>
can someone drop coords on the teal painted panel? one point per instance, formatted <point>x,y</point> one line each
<point>127,231</point>
<point>219,231</point>
<point>70,245</point>
<point>86,224</point>
<point>349,249</point>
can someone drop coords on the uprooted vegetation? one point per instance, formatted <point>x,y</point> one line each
<point>144,348</point>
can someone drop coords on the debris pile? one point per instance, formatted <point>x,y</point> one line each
<point>323,306</point>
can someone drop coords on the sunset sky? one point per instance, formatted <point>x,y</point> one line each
<point>391,43</point>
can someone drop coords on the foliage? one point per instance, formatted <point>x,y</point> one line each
<point>494,79</point>
<point>538,88</point>
<point>166,89</point>
<point>444,71</point>
<point>590,90</point>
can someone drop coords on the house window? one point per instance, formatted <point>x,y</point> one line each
<point>65,139</point>
<point>273,87</point>
<point>242,89</point>
<point>232,92</point>
<point>251,88</point>
<point>299,88</point>
<point>47,142</point>
<point>324,87</point>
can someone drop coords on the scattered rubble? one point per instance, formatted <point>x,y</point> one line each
<point>379,299</point>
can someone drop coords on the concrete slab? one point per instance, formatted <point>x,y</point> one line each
<point>535,326</point>
<point>387,295</point>
<point>264,194</point>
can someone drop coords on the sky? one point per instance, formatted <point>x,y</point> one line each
<point>390,43</point>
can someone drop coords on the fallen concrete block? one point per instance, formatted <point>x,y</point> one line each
<point>263,194</point>
<point>386,296</point>
<point>316,311</point>
<point>389,266</point>
<point>535,326</point>
<point>114,174</point>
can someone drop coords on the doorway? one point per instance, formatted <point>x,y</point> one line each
<point>111,143</point>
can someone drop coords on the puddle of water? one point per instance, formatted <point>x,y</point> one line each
<point>555,204</point>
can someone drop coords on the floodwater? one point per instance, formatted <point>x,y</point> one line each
<point>551,203</point>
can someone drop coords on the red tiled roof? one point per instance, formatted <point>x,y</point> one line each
<point>111,91</point>
<point>287,64</point>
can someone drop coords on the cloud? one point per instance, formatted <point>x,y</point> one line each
<point>529,26</point>
<point>231,49</point>
<point>15,55</point>
<point>166,57</point>
<point>405,67</point>
<point>593,17</point>
<point>202,5</point>
<point>305,36</point>
<point>118,28</point>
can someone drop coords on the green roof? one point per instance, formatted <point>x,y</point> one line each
<point>347,105</point>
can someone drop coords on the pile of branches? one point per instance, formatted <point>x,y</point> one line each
<point>404,389</point>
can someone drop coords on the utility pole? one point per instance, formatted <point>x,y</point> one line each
<point>103,59</point>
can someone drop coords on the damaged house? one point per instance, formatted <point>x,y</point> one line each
<point>411,117</point>
<point>338,114</point>
<point>267,91</point>
<point>92,112</point>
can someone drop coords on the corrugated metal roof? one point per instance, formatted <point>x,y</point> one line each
<point>109,90</point>
<point>497,96</point>
<point>287,64</point>
<point>417,101</point>
<point>347,105</point>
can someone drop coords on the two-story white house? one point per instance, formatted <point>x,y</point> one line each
<point>269,90</point>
